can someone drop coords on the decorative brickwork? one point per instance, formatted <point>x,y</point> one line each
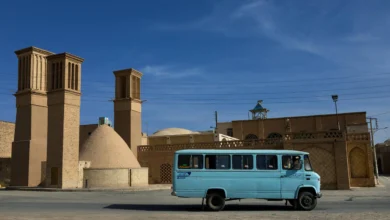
<point>166,173</point>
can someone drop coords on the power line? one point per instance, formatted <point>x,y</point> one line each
<point>229,98</point>
<point>266,92</point>
<point>222,85</point>
<point>205,102</point>
<point>14,76</point>
<point>383,113</point>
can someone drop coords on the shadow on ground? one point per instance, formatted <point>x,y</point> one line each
<point>197,208</point>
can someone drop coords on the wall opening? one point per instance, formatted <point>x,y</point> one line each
<point>54,176</point>
<point>76,79</point>
<point>122,87</point>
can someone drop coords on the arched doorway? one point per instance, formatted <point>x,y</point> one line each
<point>358,163</point>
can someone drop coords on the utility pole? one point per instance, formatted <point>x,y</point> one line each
<point>373,147</point>
<point>216,120</point>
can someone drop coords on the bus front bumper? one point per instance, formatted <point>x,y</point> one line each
<point>319,195</point>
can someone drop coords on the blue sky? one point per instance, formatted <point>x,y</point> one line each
<point>204,56</point>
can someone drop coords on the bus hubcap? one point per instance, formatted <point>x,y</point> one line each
<point>307,201</point>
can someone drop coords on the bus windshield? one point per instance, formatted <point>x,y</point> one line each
<point>307,163</point>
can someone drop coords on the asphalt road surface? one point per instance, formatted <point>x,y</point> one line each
<point>373,203</point>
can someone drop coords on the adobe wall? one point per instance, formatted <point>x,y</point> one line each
<point>7,132</point>
<point>139,176</point>
<point>355,121</point>
<point>181,139</point>
<point>114,178</point>
<point>106,178</point>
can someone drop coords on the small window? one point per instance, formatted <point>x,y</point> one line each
<point>307,164</point>
<point>267,162</point>
<point>291,163</point>
<point>218,162</point>
<point>243,162</point>
<point>229,132</point>
<point>190,162</point>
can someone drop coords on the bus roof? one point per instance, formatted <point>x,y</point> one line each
<point>245,151</point>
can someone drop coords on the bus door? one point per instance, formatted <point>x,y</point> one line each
<point>292,175</point>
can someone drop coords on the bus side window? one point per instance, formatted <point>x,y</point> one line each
<point>190,162</point>
<point>267,162</point>
<point>243,162</point>
<point>291,162</point>
<point>218,162</point>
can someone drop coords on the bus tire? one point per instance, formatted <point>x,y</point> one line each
<point>215,202</point>
<point>307,201</point>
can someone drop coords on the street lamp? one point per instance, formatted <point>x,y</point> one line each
<point>335,98</point>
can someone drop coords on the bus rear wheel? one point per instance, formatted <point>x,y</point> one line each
<point>215,202</point>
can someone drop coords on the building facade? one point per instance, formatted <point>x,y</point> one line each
<point>342,157</point>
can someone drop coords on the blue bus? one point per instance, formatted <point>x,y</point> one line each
<point>220,175</point>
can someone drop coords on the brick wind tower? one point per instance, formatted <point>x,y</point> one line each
<point>29,145</point>
<point>64,93</point>
<point>127,107</point>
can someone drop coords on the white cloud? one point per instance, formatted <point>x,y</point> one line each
<point>283,24</point>
<point>170,71</point>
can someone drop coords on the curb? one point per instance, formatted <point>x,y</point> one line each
<point>137,189</point>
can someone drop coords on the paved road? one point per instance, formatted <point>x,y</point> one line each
<point>366,203</point>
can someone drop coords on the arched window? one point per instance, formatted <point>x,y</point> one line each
<point>251,137</point>
<point>274,138</point>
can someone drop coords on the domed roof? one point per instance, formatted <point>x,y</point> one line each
<point>173,131</point>
<point>106,149</point>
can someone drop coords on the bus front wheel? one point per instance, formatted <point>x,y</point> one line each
<point>215,202</point>
<point>307,201</point>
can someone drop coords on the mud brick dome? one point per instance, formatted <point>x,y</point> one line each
<point>173,131</point>
<point>106,149</point>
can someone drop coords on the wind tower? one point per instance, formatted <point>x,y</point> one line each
<point>29,145</point>
<point>64,93</point>
<point>259,112</point>
<point>127,107</point>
